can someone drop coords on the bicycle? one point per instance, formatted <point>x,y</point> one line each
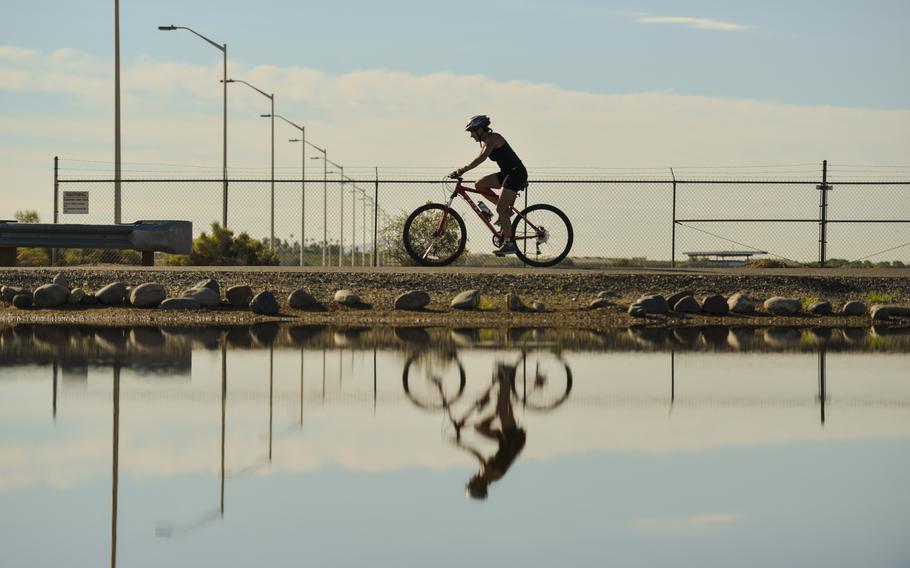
<point>543,381</point>
<point>435,234</point>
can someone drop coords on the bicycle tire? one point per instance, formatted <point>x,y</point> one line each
<point>562,394</point>
<point>420,256</point>
<point>405,383</point>
<point>521,244</point>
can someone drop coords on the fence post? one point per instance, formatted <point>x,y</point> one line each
<point>376,220</point>
<point>824,188</point>
<point>673,237</point>
<point>56,201</point>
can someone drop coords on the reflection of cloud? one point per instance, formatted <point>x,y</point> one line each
<point>702,23</point>
<point>701,521</point>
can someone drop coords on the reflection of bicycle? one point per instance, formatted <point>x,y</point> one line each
<point>435,235</point>
<point>543,381</point>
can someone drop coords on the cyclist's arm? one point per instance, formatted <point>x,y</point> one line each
<point>484,154</point>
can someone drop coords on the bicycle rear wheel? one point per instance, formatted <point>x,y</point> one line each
<point>543,235</point>
<point>428,246</point>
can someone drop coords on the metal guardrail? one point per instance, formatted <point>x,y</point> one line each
<point>148,237</point>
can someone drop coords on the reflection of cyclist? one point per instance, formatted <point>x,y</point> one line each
<point>512,176</point>
<point>510,437</point>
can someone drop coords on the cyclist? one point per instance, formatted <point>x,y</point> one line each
<point>512,176</point>
<point>509,435</point>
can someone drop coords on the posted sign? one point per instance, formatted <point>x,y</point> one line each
<point>75,203</point>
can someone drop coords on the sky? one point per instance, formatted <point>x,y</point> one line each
<point>575,84</point>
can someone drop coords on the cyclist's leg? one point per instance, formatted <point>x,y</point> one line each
<point>504,208</point>
<point>486,185</point>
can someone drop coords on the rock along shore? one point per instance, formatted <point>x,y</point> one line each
<point>566,296</point>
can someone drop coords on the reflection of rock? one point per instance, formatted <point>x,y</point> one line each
<point>239,338</point>
<point>782,336</point>
<point>685,336</point>
<point>649,336</point>
<point>264,333</point>
<point>465,337</point>
<point>854,334</point>
<point>148,338</point>
<point>413,335</point>
<point>348,337</point>
<point>50,336</point>
<point>302,334</point>
<point>741,338</point>
<point>715,335</point>
<point>820,334</point>
<point>111,339</point>
<point>883,330</point>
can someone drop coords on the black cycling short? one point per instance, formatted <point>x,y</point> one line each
<point>515,179</point>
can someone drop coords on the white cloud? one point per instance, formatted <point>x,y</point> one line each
<point>702,23</point>
<point>13,53</point>
<point>701,521</point>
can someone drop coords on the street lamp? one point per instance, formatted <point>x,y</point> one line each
<point>303,144</point>
<point>325,226</point>
<point>223,49</point>
<point>324,197</point>
<point>271,98</point>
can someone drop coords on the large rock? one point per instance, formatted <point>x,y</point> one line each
<point>654,304</point>
<point>741,303</point>
<point>112,294</point>
<point>467,300</point>
<point>148,295</point>
<point>264,303</point>
<point>538,307</point>
<point>675,298</point>
<point>300,299</point>
<point>780,306</point>
<point>514,303</point>
<point>638,311</point>
<point>239,295</point>
<point>412,300</point>
<point>22,300</point>
<point>207,297</point>
<point>607,294</point>
<point>854,308</point>
<point>888,312</point>
<point>61,279</point>
<point>687,305</point>
<point>210,284</point>
<point>822,308</point>
<point>715,304</point>
<point>50,296</point>
<point>10,292</point>
<point>597,303</point>
<point>346,298</point>
<point>75,296</point>
<point>89,300</point>
<point>180,304</point>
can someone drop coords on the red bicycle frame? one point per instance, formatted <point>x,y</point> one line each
<point>463,191</point>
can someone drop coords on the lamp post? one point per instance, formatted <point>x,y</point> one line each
<point>117,183</point>
<point>326,160</point>
<point>325,227</point>
<point>223,49</point>
<point>271,98</point>
<point>302,140</point>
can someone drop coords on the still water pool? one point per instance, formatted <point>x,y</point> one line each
<point>275,446</point>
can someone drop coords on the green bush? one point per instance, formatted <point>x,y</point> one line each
<point>222,248</point>
<point>29,256</point>
<point>391,239</point>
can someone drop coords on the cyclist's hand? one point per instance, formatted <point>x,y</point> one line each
<point>455,175</point>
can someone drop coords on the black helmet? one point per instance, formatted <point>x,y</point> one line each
<point>479,121</point>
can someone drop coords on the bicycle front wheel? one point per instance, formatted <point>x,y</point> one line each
<point>430,241</point>
<point>543,235</point>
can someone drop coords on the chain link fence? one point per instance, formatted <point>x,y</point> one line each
<point>666,217</point>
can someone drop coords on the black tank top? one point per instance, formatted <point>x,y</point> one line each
<point>506,158</point>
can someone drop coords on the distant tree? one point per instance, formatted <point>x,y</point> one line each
<point>222,248</point>
<point>29,256</point>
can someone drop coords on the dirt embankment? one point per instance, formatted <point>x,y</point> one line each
<point>565,293</point>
